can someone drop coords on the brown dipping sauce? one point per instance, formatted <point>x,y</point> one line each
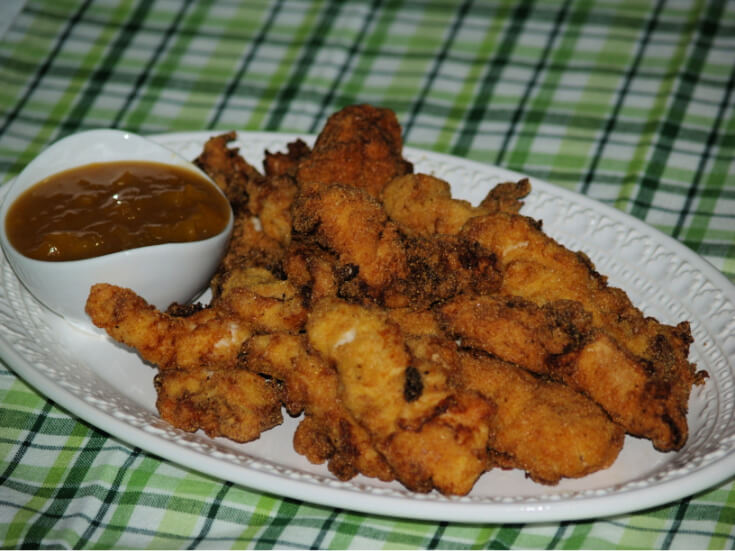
<point>103,208</point>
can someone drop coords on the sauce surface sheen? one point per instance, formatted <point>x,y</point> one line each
<point>102,208</point>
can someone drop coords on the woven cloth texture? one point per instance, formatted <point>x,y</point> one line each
<point>627,102</point>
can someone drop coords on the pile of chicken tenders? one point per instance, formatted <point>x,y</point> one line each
<point>417,337</point>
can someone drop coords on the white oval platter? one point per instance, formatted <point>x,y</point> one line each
<point>111,388</point>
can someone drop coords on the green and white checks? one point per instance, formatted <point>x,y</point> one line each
<point>628,102</point>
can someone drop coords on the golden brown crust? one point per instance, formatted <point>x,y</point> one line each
<point>399,389</point>
<point>207,339</point>
<point>422,204</point>
<point>543,427</point>
<point>328,431</point>
<point>514,329</point>
<point>648,388</point>
<point>232,403</point>
<point>233,174</point>
<point>374,260</point>
<point>350,223</point>
<point>359,146</point>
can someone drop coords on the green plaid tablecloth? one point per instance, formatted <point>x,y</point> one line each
<point>628,102</point>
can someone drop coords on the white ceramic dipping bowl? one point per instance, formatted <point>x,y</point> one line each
<point>161,274</point>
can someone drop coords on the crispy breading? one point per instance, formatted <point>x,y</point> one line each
<point>232,403</point>
<point>328,431</point>
<point>196,350</point>
<point>274,210</point>
<point>432,434</point>
<point>423,204</point>
<point>233,174</point>
<point>541,426</point>
<point>374,260</point>
<point>359,146</point>
<point>352,224</point>
<point>506,196</point>
<point>440,268</point>
<point>250,247</point>
<point>648,398</point>
<point>281,164</point>
<point>261,203</point>
<point>209,338</point>
<point>267,302</point>
<point>415,322</point>
<point>315,271</point>
<point>259,280</point>
<point>645,360</point>
<point>514,329</point>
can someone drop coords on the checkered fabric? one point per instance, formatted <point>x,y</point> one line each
<point>628,102</point>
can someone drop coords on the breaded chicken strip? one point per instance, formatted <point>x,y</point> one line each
<point>514,329</point>
<point>423,205</point>
<point>542,427</point>
<point>196,349</point>
<point>353,226</point>
<point>209,338</point>
<point>359,146</point>
<point>234,175</point>
<point>233,403</point>
<point>328,431</point>
<point>644,362</point>
<point>261,203</point>
<point>372,259</point>
<point>648,397</point>
<point>432,434</point>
